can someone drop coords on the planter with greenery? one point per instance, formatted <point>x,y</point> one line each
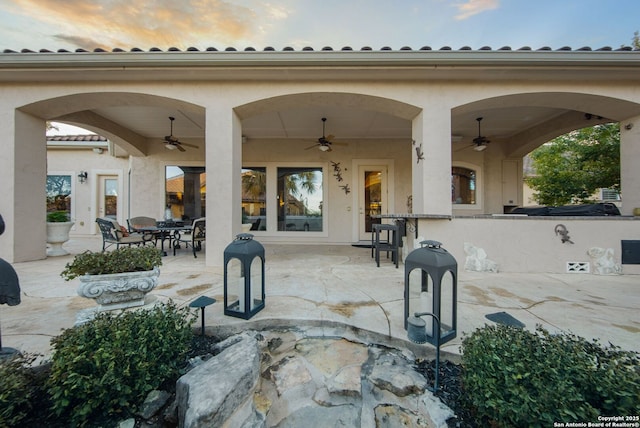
<point>58,226</point>
<point>116,279</point>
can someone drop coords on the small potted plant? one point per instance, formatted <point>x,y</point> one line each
<point>116,279</point>
<point>58,226</point>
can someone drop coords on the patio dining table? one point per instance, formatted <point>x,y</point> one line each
<point>167,232</point>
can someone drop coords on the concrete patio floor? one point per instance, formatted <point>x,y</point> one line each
<point>327,286</point>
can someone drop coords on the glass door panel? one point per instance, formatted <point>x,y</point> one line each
<point>108,197</point>
<point>254,200</point>
<point>372,197</point>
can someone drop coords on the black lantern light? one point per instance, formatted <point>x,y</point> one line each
<point>243,277</point>
<point>430,290</point>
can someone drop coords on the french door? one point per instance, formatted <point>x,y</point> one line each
<point>372,197</point>
<point>108,198</point>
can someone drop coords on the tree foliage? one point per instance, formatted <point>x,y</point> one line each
<point>572,167</point>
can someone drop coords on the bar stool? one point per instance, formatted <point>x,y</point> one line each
<point>388,243</point>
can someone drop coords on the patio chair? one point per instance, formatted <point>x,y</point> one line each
<point>137,223</point>
<point>195,238</point>
<point>113,233</point>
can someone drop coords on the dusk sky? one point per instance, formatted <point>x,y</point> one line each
<point>108,24</point>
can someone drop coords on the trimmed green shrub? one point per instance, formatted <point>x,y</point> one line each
<point>514,377</point>
<point>106,367</point>
<point>17,389</point>
<point>126,259</point>
<point>58,217</point>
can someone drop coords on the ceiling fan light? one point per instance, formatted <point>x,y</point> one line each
<point>480,147</point>
<point>169,146</point>
<point>323,148</point>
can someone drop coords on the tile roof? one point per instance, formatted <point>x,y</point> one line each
<point>78,138</point>
<point>329,48</point>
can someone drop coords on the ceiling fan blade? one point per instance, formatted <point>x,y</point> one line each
<point>189,145</point>
<point>312,147</point>
<point>179,146</point>
<point>329,137</point>
<point>468,146</point>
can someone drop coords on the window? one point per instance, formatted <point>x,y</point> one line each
<point>463,185</point>
<point>254,189</point>
<point>59,193</point>
<point>609,194</point>
<point>300,194</point>
<point>185,192</point>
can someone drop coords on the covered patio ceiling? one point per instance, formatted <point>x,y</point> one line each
<point>502,122</point>
<point>344,124</point>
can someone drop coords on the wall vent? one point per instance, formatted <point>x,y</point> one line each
<point>578,267</point>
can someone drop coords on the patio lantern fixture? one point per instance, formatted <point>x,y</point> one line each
<point>243,277</point>
<point>430,290</point>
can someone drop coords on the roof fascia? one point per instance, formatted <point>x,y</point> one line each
<point>101,60</point>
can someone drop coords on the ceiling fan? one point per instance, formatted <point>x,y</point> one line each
<point>324,143</point>
<point>172,143</point>
<point>480,142</point>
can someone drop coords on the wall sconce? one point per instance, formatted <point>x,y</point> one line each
<point>98,150</point>
<point>82,177</point>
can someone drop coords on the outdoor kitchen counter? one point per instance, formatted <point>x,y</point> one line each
<point>411,219</point>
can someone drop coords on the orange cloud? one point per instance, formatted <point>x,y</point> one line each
<point>474,7</point>
<point>149,23</point>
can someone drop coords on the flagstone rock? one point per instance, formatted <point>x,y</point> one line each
<point>392,372</point>
<point>153,403</point>
<point>285,380</point>
<point>210,394</point>
<point>290,373</point>
<point>393,416</point>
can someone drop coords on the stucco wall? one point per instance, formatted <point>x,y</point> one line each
<point>85,195</point>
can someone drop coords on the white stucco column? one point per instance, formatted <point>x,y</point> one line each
<point>431,176</point>
<point>629,161</point>
<point>23,174</point>
<point>224,196</point>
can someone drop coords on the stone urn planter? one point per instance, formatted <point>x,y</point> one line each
<point>119,290</point>
<point>58,227</point>
<point>116,279</point>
